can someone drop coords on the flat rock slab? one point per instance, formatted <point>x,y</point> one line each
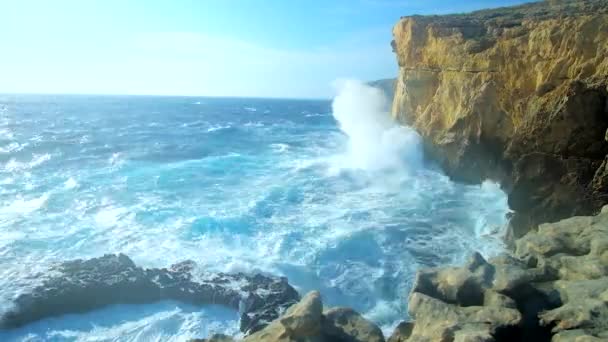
<point>84,285</point>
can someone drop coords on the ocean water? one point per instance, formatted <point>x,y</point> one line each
<point>332,195</point>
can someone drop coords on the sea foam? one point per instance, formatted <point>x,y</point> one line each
<point>374,140</point>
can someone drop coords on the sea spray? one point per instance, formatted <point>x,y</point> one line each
<point>256,196</point>
<point>375,142</point>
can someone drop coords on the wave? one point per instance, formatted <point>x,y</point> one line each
<point>7,134</point>
<point>375,142</point>
<point>116,159</point>
<point>13,147</point>
<point>21,206</point>
<point>161,322</point>
<point>37,159</point>
<point>218,128</point>
<point>70,183</point>
<point>279,148</point>
<point>254,124</point>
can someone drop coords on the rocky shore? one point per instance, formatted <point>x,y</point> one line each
<point>518,95</point>
<point>84,285</point>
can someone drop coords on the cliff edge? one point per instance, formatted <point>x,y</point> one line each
<point>518,95</point>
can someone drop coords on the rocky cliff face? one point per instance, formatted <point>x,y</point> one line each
<point>518,95</point>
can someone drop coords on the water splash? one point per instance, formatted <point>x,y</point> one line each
<point>375,142</point>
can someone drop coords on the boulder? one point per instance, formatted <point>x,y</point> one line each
<point>345,324</point>
<point>301,322</point>
<point>306,322</point>
<point>436,320</point>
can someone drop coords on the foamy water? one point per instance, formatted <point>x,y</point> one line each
<point>342,203</point>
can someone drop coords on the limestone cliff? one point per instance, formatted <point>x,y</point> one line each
<point>514,94</point>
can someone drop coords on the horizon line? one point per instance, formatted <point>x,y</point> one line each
<point>165,95</point>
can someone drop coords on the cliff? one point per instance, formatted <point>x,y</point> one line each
<point>517,95</point>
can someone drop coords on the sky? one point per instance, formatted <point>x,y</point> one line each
<point>252,48</point>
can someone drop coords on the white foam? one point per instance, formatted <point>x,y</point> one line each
<point>218,127</point>
<point>280,148</point>
<point>21,206</point>
<point>110,216</point>
<point>162,322</point>
<point>12,147</point>
<point>374,141</point>
<point>116,159</point>
<point>7,181</point>
<point>250,109</point>
<point>254,124</point>
<point>70,183</point>
<point>37,159</point>
<point>6,133</point>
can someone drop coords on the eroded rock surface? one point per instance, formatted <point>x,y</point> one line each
<point>307,322</point>
<point>516,94</point>
<point>82,285</point>
<point>553,288</point>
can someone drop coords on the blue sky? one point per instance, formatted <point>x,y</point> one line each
<point>261,48</point>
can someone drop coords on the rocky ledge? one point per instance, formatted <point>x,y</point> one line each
<point>308,322</point>
<point>553,288</point>
<point>83,285</point>
<point>518,95</point>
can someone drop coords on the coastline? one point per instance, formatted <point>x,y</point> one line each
<point>514,95</point>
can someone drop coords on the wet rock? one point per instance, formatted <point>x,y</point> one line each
<point>214,338</point>
<point>345,324</point>
<point>306,322</point>
<point>553,288</point>
<point>301,322</point>
<point>457,285</point>
<point>402,332</point>
<point>436,320</point>
<point>83,285</point>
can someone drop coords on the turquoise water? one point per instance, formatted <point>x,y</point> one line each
<point>338,200</point>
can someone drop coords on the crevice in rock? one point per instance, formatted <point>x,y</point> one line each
<point>530,302</point>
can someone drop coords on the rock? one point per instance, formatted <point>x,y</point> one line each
<point>301,322</point>
<point>214,338</point>
<point>305,322</point>
<point>436,320</point>
<point>456,285</point>
<point>585,307</point>
<point>575,336</point>
<point>553,287</point>
<point>402,332</point>
<point>517,95</point>
<point>345,324</point>
<point>83,285</point>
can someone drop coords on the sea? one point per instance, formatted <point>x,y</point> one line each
<point>331,194</point>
